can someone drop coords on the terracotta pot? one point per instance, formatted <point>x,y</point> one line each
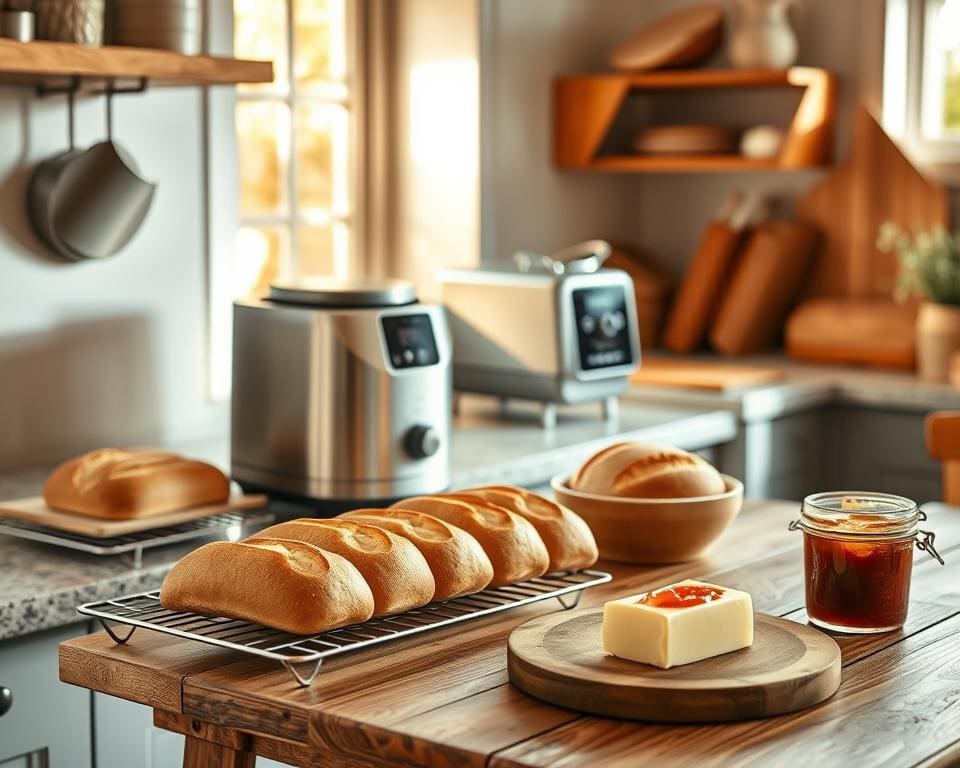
<point>938,337</point>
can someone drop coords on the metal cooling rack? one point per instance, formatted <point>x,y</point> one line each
<point>226,524</point>
<point>302,655</point>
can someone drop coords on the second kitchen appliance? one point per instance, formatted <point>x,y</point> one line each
<point>558,330</point>
<point>341,393</point>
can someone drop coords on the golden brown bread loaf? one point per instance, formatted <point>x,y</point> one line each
<point>118,484</point>
<point>647,471</point>
<point>456,559</point>
<point>286,585</point>
<point>397,573</point>
<point>513,545</point>
<point>568,538</point>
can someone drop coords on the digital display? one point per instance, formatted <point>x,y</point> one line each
<point>410,340</point>
<point>603,327</point>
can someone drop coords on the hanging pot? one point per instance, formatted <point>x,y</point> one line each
<point>89,204</point>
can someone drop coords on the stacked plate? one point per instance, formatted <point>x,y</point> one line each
<point>686,140</point>
<point>173,25</point>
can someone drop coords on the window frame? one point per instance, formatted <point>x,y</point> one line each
<point>907,89</point>
<point>221,178</point>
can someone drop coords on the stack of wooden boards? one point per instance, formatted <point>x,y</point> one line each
<point>308,576</point>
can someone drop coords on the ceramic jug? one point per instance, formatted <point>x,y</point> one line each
<point>761,35</point>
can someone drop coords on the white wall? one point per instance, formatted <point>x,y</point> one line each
<point>112,352</point>
<point>529,204</point>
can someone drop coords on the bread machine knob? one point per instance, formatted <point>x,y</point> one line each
<point>6,699</point>
<point>421,441</point>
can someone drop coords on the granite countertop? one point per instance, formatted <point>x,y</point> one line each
<point>41,585</point>
<point>805,386</point>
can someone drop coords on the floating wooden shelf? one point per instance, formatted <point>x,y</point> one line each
<point>40,62</point>
<point>585,107</point>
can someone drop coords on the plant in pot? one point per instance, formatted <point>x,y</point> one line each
<point>930,269</point>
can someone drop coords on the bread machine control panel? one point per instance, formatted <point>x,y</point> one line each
<point>410,340</point>
<point>603,327</point>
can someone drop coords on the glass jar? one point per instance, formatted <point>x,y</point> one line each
<point>857,557</point>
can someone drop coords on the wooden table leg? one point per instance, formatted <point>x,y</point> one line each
<point>199,753</point>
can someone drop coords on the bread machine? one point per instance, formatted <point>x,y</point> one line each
<point>558,330</point>
<point>341,392</point>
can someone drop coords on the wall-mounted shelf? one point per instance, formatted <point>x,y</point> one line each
<point>585,107</point>
<point>40,62</point>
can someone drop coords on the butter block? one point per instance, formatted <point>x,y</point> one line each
<point>670,636</point>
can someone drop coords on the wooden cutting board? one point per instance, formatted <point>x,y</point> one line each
<point>558,658</point>
<point>716,377</point>
<point>35,510</point>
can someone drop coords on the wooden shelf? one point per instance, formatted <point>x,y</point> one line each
<point>585,107</point>
<point>40,61</point>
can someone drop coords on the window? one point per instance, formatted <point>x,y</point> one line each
<point>941,71</point>
<point>296,141</point>
<point>921,78</point>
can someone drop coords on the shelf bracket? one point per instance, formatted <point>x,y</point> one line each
<point>74,84</point>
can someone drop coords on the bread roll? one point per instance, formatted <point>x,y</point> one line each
<point>397,573</point>
<point>456,559</point>
<point>567,537</point>
<point>286,585</point>
<point>513,545</point>
<point>118,484</point>
<point>647,471</point>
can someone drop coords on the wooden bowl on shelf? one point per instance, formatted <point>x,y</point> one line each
<point>685,140</point>
<point>653,531</point>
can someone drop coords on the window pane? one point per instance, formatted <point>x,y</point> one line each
<point>951,96</point>
<point>322,158</point>
<point>319,41</point>
<point>260,32</point>
<point>263,130</point>
<point>260,258</point>
<point>322,250</point>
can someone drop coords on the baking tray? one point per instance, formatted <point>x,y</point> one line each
<point>303,655</point>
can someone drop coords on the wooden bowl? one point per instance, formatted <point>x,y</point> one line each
<point>653,531</point>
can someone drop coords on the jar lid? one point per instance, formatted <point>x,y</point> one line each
<point>851,513</point>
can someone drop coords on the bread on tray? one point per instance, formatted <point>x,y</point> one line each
<point>397,573</point>
<point>568,538</point>
<point>120,484</point>
<point>456,559</point>
<point>513,545</point>
<point>647,471</point>
<point>287,585</point>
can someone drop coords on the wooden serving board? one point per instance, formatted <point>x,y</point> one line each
<point>717,377</point>
<point>558,658</point>
<point>35,510</point>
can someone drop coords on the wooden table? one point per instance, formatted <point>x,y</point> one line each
<point>444,698</point>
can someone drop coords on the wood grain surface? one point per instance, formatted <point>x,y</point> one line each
<point>444,699</point>
<point>693,374</point>
<point>34,509</point>
<point>560,659</point>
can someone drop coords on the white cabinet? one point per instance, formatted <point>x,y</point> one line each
<point>48,719</point>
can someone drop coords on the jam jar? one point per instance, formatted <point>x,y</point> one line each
<point>857,558</point>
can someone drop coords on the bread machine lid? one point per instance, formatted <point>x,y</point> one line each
<point>333,292</point>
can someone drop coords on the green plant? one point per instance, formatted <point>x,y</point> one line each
<point>929,262</point>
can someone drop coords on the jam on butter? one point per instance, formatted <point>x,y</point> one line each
<point>681,596</point>
<point>857,556</point>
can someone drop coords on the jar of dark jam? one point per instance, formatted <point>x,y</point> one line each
<point>857,557</point>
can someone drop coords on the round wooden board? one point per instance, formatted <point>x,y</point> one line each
<point>558,658</point>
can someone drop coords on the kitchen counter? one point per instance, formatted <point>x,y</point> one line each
<point>805,386</point>
<point>444,697</point>
<point>41,585</point>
